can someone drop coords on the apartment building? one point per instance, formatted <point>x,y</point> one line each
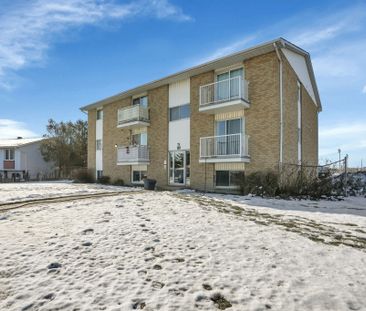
<point>205,126</point>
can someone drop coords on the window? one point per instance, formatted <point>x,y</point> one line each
<point>99,174</point>
<point>140,101</point>
<point>230,85</point>
<point>138,176</point>
<point>139,139</point>
<point>180,112</point>
<point>179,167</point>
<point>228,178</point>
<point>99,114</point>
<point>99,144</point>
<point>9,154</point>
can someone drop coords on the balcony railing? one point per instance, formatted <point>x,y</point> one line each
<point>132,154</point>
<point>132,114</point>
<point>224,91</point>
<point>224,146</point>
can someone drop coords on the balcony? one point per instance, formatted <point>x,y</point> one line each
<point>9,164</point>
<point>133,116</point>
<point>133,155</point>
<point>224,96</point>
<point>224,148</point>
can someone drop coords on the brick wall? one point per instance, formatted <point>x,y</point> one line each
<point>157,135</point>
<point>112,136</point>
<point>202,125</point>
<point>262,119</point>
<point>309,129</point>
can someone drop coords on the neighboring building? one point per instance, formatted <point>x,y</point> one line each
<point>21,159</point>
<point>203,126</point>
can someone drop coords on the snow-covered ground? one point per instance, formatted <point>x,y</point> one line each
<point>182,251</point>
<point>38,190</point>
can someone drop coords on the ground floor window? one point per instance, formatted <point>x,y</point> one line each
<point>99,174</point>
<point>138,176</point>
<point>228,178</point>
<point>9,154</point>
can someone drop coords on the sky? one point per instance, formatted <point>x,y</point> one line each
<point>56,56</point>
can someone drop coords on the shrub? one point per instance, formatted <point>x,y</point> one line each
<point>83,176</point>
<point>260,183</point>
<point>104,180</point>
<point>118,182</point>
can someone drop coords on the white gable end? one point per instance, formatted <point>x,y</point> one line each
<point>298,63</point>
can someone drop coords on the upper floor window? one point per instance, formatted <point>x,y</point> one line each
<point>9,154</point>
<point>99,144</point>
<point>140,101</point>
<point>139,139</point>
<point>179,112</point>
<point>99,114</point>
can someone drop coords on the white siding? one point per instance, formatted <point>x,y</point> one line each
<point>298,63</point>
<point>179,93</point>
<point>31,160</point>
<point>2,158</point>
<point>179,130</point>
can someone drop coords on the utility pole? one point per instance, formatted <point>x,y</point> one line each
<point>339,158</point>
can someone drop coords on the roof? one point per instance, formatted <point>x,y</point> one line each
<point>14,143</point>
<point>225,61</point>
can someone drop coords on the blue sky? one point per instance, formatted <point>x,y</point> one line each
<point>56,56</point>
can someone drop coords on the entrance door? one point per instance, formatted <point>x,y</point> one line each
<point>179,171</point>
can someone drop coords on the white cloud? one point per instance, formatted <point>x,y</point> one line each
<point>364,89</point>
<point>28,30</point>
<point>357,129</point>
<point>14,129</point>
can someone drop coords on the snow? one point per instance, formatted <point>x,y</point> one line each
<point>165,250</point>
<point>39,190</point>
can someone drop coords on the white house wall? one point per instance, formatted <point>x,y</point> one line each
<point>179,130</point>
<point>2,158</point>
<point>298,63</point>
<point>29,158</point>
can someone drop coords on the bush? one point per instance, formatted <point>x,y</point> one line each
<point>118,182</point>
<point>260,183</point>
<point>83,176</point>
<point>104,180</point>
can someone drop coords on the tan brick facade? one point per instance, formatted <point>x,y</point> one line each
<point>262,119</point>
<point>115,136</point>
<point>309,129</point>
<point>157,134</point>
<point>262,124</point>
<point>202,125</point>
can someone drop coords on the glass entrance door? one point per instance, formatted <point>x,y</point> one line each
<point>179,167</point>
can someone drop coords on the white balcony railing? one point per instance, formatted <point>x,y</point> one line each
<point>234,145</point>
<point>133,154</point>
<point>223,91</point>
<point>133,113</point>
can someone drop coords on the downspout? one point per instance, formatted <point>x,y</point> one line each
<point>281,103</point>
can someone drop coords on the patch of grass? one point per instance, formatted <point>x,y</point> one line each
<point>220,301</point>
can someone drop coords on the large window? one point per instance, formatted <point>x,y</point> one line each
<point>99,144</point>
<point>139,139</point>
<point>9,154</point>
<point>179,167</point>
<point>138,176</point>
<point>99,114</point>
<point>179,112</point>
<point>140,101</point>
<point>230,85</point>
<point>228,178</point>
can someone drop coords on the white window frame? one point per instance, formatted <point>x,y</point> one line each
<point>8,153</point>
<point>141,180</point>
<point>99,144</point>
<point>99,114</point>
